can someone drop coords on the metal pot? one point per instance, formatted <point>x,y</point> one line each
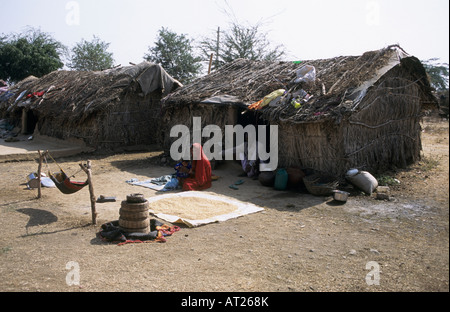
<point>340,195</point>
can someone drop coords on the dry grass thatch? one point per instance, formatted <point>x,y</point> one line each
<point>77,94</point>
<point>339,86</point>
<point>111,107</point>
<point>364,111</point>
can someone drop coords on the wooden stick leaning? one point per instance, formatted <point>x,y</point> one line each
<point>41,157</point>
<point>87,169</point>
<point>39,174</point>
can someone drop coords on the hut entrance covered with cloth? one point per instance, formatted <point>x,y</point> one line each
<point>333,114</point>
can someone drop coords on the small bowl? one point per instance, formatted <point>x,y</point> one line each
<point>340,195</point>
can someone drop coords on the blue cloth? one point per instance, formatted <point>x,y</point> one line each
<point>182,174</point>
<point>171,185</point>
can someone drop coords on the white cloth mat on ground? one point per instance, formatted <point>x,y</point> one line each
<point>242,208</point>
<point>147,184</point>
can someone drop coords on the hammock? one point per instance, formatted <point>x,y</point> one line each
<point>63,183</point>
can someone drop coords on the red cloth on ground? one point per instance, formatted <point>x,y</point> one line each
<point>202,178</point>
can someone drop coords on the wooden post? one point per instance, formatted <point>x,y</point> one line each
<point>217,48</point>
<point>87,170</point>
<point>210,63</point>
<point>39,174</point>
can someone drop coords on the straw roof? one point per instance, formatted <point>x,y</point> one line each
<point>340,84</point>
<point>75,95</point>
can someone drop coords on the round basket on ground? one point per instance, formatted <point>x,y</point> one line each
<point>135,207</point>
<point>320,185</point>
<point>134,224</point>
<point>136,230</point>
<point>136,198</point>
<point>133,215</point>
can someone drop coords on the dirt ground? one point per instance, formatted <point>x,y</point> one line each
<point>299,243</point>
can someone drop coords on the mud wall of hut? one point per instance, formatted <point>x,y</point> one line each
<point>315,146</point>
<point>219,115</point>
<point>382,134</point>
<point>386,131</point>
<point>131,120</point>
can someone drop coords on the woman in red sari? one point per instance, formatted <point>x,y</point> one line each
<point>200,177</point>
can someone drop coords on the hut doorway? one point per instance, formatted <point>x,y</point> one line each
<point>29,121</point>
<point>248,117</point>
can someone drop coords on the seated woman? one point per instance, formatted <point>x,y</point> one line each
<point>200,173</point>
<point>250,167</point>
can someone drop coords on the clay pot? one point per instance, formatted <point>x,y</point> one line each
<point>267,178</point>
<point>295,176</point>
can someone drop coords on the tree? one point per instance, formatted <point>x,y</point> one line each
<point>91,55</point>
<point>32,53</point>
<point>438,73</point>
<point>240,41</point>
<point>175,54</point>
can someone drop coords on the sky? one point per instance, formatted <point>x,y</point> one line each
<point>308,30</point>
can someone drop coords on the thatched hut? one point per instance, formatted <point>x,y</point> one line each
<point>360,111</point>
<point>107,109</point>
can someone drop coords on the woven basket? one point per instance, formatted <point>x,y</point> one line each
<point>320,185</point>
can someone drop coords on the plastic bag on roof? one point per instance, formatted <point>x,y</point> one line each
<point>267,99</point>
<point>306,73</point>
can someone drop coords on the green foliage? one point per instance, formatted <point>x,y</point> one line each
<point>386,180</point>
<point>438,73</point>
<point>31,53</point>
<point>91,55</point>
<point>428,163</point>
<point>175,54</point>
<point>240,41</point>
<point>5,250</point>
